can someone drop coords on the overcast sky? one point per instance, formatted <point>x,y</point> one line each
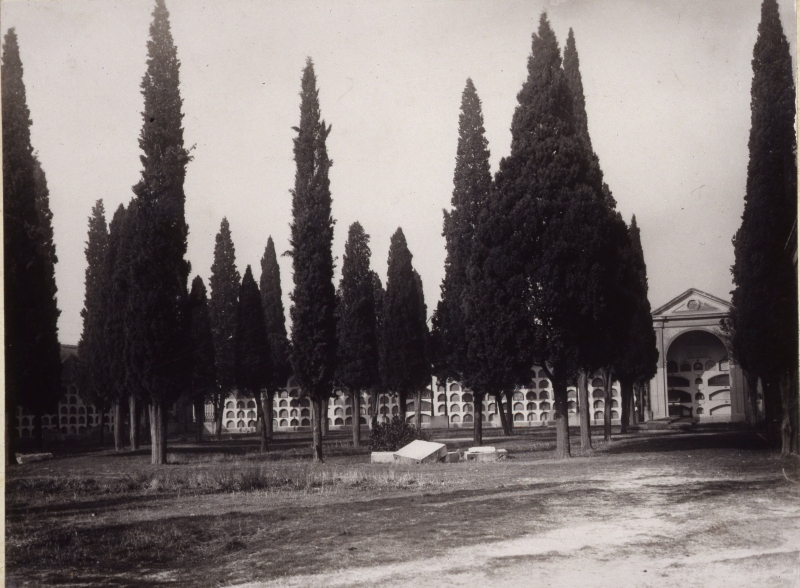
<point>667,94</point>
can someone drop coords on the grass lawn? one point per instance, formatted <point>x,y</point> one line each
<point>711,506</point>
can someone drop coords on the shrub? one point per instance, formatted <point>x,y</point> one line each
<point>394,435</point>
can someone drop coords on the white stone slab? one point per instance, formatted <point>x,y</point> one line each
<point>381,457</point>
<point>486,456</point>
<point>421,452</point>
<point>482,449</point>
<point>32,457</point>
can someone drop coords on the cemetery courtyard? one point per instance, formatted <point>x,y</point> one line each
<point>703,506</point>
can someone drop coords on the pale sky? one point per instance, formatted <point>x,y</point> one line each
<point>667,88</point>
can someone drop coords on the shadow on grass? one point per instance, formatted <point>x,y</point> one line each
<point>747,441</point>
<point>311,538</point>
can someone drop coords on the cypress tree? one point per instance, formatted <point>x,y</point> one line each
<point>252,346</point>
<point>157,332</point>
<point>93,360</point>
<point>357,341</point>
<point>275,320</point>
<point>378,294</point>
<point>406,366</point>
<point>638,361</point>
<point>204,381</point>
<point>313,351</point>
<point>45,304</point>
<point>472,182</point>
<point>468,345</point>
<point>763,320</point>
<point>549,196</point>
<point>224,283</point>
<point>422,320</point>
<point>116,286</point>
<point>32,354</point>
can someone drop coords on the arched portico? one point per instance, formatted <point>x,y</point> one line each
<point>695,376</point>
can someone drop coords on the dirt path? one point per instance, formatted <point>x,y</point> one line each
<point>695,542</point>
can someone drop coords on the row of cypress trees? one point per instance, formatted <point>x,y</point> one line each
<point>541,270</point>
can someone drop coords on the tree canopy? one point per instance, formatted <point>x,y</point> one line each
<point>252,347</point>
<point>404,331</point>
<point>275,318</point>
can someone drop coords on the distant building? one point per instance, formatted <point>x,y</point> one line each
<point>695,379</point>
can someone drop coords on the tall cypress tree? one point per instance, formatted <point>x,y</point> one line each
<point>548,199</point>
<point>422,321</point>
<point>357,368</point>
<point>406,366</point>
<point>472,183</point>
<point>32,354</point>
<point>252,347</point>
<point>204,381</point>
<point>638,361</point>
<point>224,284</point>
<point>116,287</point>
<point>275,320</point>
<point>379,295</point>
<point>157,326</point>
<point>313,352</point>
<point>458,339</point>
<point>93,360</point>
<point>763,320</point>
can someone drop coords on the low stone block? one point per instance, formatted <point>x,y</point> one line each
<point>486,456</point>
<point>482,449</point>
<point>453,457</point>
<point>381,457</point>
<point>32,457</point>
<point>421,452</point>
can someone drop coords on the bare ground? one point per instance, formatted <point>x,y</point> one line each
<point>703,508</point>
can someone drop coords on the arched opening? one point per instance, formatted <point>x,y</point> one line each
<point>700,352</point>
<point>544,384</point>
<point>531,396</point>
<point>544,396</point>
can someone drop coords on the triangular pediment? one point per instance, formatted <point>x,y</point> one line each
<point>693,302</point>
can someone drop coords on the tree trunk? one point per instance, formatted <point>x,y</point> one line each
<point>356,418</point>
<point>477,437</point>
<point>626,399</point>
<point>509,411</point>
<point>751,402</point>
<point>418,408</point>
<point>261,417</point>
<point>584,410</point>
<point>789,424</point>
<point>373,421</point>
<point>102,411</point>
<point>324,417</point>
<point>608,374</point>
<point>269,412</point>
<point>38,432</point>
<point>135,413</point>
<point>158,434</point>
<point>636,404</point>
<point>401,403</point>
<point>562,419</point>
<point>316,436</point>
<point>118,416</point>
<point>502,412</point>
<point>219,408</point>
<point>11,454</point>
<point>773,411</point>
<point>200,418</point>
